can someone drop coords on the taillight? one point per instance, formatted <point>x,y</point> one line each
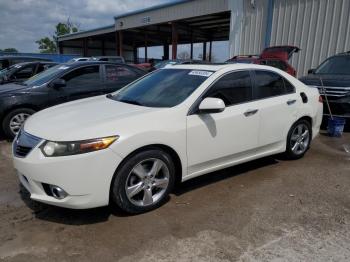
<point>320,99</point>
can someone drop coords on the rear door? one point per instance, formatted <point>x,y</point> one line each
<point>117,76</point>
<point>81,82</point>
<point>278,106</point>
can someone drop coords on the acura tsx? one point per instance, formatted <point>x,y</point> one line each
<point>131,147</point>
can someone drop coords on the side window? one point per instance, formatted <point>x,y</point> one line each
<point>83,77</point>
<point>119,74</point>
<point>24,72</point>
<point>233,88</point>
<point>289,87</point>
<point>269,84</point>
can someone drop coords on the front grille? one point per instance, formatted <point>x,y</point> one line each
<point>334,91</point>
<point>24,143</point>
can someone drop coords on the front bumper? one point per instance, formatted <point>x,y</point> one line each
<point>86,178</point>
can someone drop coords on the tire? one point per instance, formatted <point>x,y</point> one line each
<point>18,115</point>
<point>303,137</point>
<point>147,173</point>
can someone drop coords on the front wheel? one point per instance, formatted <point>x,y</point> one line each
<point>144,181</point>
<point>298,140</point>
<point>14,120</point>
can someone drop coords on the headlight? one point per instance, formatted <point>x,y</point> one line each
<point>50,148</point>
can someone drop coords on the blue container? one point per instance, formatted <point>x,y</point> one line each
<point>335,126</point>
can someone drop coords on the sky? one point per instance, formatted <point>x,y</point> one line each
<point>22,22</point>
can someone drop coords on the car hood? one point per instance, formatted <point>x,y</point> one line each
<point>84,119</point>
<point>11,88</point>
<point>328,80</point>
<point>279,52</point>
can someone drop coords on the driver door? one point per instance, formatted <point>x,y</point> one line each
<point>218,139</point>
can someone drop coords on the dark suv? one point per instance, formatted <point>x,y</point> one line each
<point>60,84</point>
<point>22,71</point>
<point>335,75</point>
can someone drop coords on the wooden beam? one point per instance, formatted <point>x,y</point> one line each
<point>191,52</point>
<point>117,47</point>
<point>146,55</point>
<point>210,48</point>
<point>204,51</point>
<point>174,40</point>
<point>120,36</point>
<point>85,48</point>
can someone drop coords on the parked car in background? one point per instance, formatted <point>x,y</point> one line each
<point>22,71</point>
<point>59,84</point>
<point>335,75</point>
<point>174,124</point>
<point>114,59</point>
<point>7,61</point>
<point>275,56</point>
<point>165,63</point>
<point>79,59</point>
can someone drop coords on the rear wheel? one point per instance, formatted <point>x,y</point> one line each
<point>299,139</point>
<point>144,181</point>
<point>14,120</point>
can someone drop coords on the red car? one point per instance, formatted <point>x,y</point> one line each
<point>276,56</point>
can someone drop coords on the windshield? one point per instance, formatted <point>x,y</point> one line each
<point>9,70</point>
<point>336,65</point>
<point>45,76</point>
<point>163,88</point>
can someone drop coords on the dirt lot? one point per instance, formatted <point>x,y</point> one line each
<point>261,211</point>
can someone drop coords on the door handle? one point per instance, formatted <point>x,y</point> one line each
<point>291,102</point>
<point>250,112</point>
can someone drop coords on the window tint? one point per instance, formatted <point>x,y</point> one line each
<point>24,72</point>
<point>269,84</point>
<point>119,73</point>
<point>275,63</point>
<point>233,88</point>
<point>85,76</point>
<point>289,87</point>
<point>337,65</point>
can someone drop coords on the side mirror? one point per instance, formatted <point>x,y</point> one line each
<point>58,83</point>
<point>311,71</point>
<point>211,105</point>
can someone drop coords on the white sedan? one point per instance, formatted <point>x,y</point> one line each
<point>131,147</point>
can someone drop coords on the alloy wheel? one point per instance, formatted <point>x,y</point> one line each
<point>17,121</point>
<point>147,182</point>
<point>300,139</point>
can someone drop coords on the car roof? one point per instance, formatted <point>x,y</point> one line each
<point>90,62</point>
<point>217,67</point>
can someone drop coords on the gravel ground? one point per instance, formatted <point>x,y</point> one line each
<point>265,210</point>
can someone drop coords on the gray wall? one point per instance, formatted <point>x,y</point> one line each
<point>321,28</point>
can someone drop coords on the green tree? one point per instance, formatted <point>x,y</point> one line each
<point>9,50</point>
<point>49,45</point>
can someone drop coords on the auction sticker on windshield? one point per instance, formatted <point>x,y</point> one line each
<point>200,73</point>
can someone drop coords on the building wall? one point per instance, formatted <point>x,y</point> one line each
<point>321,28</point>
<point>254,26</point>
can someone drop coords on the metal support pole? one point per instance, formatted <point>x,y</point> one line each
<point>174,40</point>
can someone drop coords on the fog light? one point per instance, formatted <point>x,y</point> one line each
<point>57,192</point>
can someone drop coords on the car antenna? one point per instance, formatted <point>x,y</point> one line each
<point>325,96</point>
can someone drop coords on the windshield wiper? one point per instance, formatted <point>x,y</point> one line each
<point>128,101</point>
